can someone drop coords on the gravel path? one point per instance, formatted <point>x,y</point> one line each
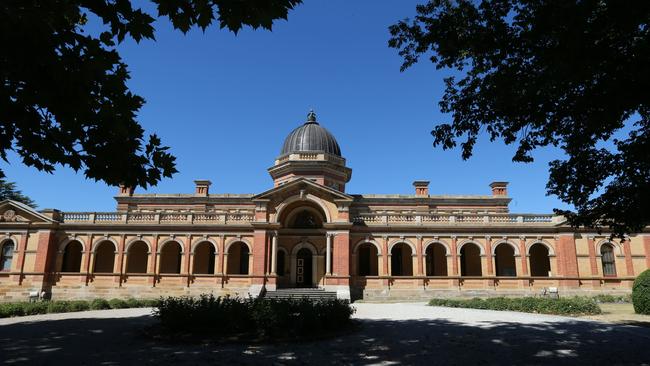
<point>389,334</point>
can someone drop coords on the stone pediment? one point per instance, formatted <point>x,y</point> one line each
<point>12,211</point>
<point>301,187</point>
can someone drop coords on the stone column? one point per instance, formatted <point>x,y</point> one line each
<point>22,247</point>
<point>153,260</point>
<point>328,255</point>
<point>420,256</point>
<point>454,256</point>
<point>187,252</point>
<point>489,256</point>
<point>385,259</point>
<point>592,255</point>
<point>119,266</point>
<point>629,264</point>
<point>524,256</point>
<point>274,253</point>
<point>220,255</point>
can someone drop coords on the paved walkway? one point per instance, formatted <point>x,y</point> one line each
<point>390,334</point>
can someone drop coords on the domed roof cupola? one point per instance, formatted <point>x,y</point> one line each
<point>310,151</point>
<point>311,137</point>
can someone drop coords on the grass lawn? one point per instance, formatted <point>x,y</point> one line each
<point>620,313</point>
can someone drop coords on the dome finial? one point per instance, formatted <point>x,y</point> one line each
<point>311,116</point>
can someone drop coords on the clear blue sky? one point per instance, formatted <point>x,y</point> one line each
<point>225,103</point>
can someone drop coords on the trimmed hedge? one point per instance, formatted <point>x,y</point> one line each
<point>562,306</point>
<point>226,316</point>
<point>641,293</point>
<point>43,307</point>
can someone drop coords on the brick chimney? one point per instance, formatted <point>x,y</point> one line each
<point>202,187</point>
<point>125,190</point>
<point>421,188</point>
<point>499,188</point>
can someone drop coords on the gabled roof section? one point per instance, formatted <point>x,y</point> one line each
<point>13,211</point>
<point>302,182</point>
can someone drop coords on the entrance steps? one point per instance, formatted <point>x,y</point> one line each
<point>298,293</point>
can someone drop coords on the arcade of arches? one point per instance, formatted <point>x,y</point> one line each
<point>307,231</point>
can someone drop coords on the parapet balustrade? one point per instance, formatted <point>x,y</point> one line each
<point>371,219</point>
<point>155,218</point>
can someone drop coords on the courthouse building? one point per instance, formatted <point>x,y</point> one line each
<point>307,231</point>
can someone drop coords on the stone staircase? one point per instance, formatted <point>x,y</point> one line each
<point>297,293</point>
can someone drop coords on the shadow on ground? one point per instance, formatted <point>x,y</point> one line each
<point>121,341</point>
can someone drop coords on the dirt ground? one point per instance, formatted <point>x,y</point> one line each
<point>622,313</point>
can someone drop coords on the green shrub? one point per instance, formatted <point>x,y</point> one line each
<point>79,305</point>
<point>641,293</point>
<point>35,308</point>
<point>58,307</point>
<point>562,306</point>
<point>99,304</point>
<point>11,309</point>
<point>260,317</point>
<point>117,304</point>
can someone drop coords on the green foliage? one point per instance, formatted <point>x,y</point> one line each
<point>99,304</point>
<point>117,304</point>
<point>606,298</point>
<point>223,316</point>
<point>562,306</point>
<point>641,293</point>
<point>565,74</point>
<point>58,307</point>
<point>42,307</point>
<point>53,59</point>
<point>8,191</point>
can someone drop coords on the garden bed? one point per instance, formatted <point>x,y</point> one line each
<point>562,306</point>
<point>13,309</point>
<point>249,319</point>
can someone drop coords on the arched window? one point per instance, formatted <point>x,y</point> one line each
<point>608,260</point>
<point>6,255</point>
<point>238,259</point>
<point>280,265</point>
<point>137,258</point>
<point>540,263</point>
<point>104,257</point>
<point>470,260</point>
<point>505,260</point>
<point>368,260</point>
<point>204,254</point>
<point>401,260</point>
<point>436,260</point>
<point>306,219</point>
<point>170,257</point>
<point>72,257</point>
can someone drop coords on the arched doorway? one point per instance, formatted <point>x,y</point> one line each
<point>72,257</point>
<point>470,260</point>
<point>304,268</point>
<point>540,264</point>
<point>204,255</point>
<point>105,257</point>
<point>170,257</point>
<point>137,257</point>
<point>401,260</point>
<point>436,260</point>
<point>368,260</point>
<point>505,260</point>
<point>238,254</point>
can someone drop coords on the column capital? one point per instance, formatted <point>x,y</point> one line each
<point>523,237</point>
